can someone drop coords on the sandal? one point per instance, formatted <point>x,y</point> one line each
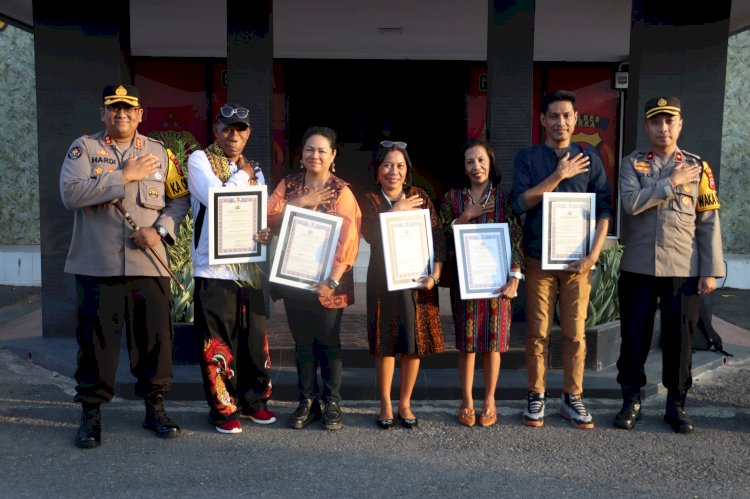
<point>487,419</point>
<point>467,417</point>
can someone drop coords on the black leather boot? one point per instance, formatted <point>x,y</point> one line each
<point>629,414</point>
<point>90,433</point>
<point>675,414</point>
<point>307,411</point>
<point>156,418</point>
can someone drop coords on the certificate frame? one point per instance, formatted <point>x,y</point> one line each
<point>406,229</point>
<point>251,200</point>
<point>562,247</point>
<point>305,258</point>
<point>483,255</point>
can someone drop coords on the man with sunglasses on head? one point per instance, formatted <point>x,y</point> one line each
<point>558,165</point>
<point>230,315</point>
<point>122,289</point>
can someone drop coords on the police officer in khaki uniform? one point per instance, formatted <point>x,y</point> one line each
<point>672,238</point>
<point>121,288</point>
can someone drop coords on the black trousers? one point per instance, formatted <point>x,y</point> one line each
<point>679,304</point>
<point>232,330</point>
<point>110,307</point>
<point>317,338</point>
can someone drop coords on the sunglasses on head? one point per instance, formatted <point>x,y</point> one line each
<point>228,111</point>
<point>390,143</point>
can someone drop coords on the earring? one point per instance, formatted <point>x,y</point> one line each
<point>301,165</point>
<point>333,168</point>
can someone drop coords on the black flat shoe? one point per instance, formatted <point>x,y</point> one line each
<point>385,424</point>
<point>410,423</point>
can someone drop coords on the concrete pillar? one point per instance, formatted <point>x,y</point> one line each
<point>250,72</point>
<point>682,52</point>
<point>78,51</point>
<point>510,66</point>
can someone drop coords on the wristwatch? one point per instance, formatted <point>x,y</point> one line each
<point>161,230</point>
<point>518,275</point>
<point>332,283</point>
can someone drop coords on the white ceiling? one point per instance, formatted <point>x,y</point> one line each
<point>580,30</point>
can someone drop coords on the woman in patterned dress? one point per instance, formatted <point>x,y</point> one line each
<point>482,325</point>
<point>314,315</point>
<point>405,322</point>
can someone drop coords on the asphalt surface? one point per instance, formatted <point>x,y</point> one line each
<point>38,421</point>
<point>438,459</point>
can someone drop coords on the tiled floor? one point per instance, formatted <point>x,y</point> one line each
<point>353,332</point>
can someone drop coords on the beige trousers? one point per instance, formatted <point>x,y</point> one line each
<point>542,290</point>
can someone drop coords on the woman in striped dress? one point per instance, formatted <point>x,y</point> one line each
<point>482,325</point>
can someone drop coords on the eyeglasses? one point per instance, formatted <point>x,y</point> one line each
<point>129,110</point>
<point>390,143</point>
<point>228,111</point>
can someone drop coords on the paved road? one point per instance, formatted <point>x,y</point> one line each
<point>441,458</point>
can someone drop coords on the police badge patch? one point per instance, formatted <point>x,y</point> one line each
<point>75,152</point>
<point>153,193</point>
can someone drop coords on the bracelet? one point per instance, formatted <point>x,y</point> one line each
<point>435,279</point>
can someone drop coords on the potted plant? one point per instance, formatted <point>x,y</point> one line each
<point>184,347</point>
<point>603,320</point>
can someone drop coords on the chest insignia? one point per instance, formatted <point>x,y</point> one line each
<point>153,193</point>
<point>642,166</point>
<point>98,170</point>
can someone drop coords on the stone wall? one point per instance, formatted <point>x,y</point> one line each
<point>19,189</point>
<point>734,183</point>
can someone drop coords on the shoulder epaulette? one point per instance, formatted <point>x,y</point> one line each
<point>691,155</point>
<point>154,140</point>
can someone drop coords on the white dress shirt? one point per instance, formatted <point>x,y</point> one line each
<point>200,179</point>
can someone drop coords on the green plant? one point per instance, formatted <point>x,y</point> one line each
<point>604,305</point>
<point>181,264</point>
<point>181,144</point>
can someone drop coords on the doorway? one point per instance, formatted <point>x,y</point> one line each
<point>422,103</point>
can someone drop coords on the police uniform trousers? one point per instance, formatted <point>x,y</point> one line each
<point>679,304</point>
<point>110,307</point>
<point>231,329</point>
<point>317,342</point>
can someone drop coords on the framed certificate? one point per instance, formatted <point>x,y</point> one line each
<point>568,226</point>
<point>306,247</point>
<point>407,246</point>
<point>483,257</point>
<point>235,215</point>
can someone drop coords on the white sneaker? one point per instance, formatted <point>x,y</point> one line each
<point>534,413</point>
<point>573,410</point>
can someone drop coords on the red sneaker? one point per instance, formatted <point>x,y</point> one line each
<point>263,416</point>
<point>230,427</point>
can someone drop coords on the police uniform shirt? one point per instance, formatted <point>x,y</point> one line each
<point>669,230</point>
<point>90,180</point>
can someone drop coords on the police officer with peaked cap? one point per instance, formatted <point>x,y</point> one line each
<point>121,288</point>
<point>673,254</point>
